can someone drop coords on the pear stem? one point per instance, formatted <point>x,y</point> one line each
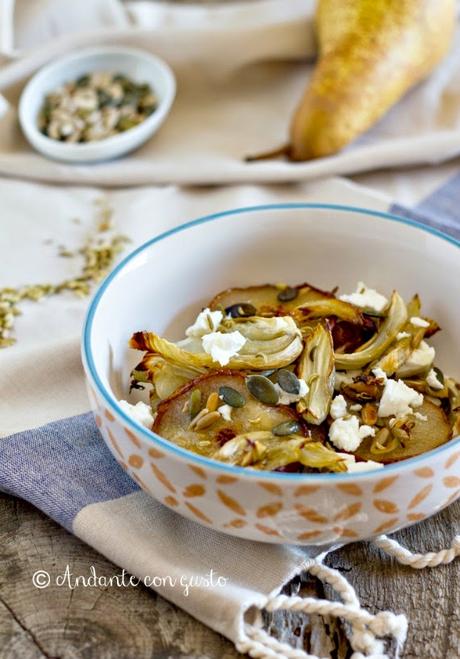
<point>270,155</point>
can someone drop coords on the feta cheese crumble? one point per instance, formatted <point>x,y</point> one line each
<point>346,434</point>
<point>285,398</point>
<point>366,431</point>
<point>356,407</point>
<point>225,412</point>
<point>338,407</point>
<point>206,322</point>
<point>140,412</point>
<point>398,399</point>
<point>367,298</point>
<point>380,374</point>
<point>222,347</point>
<point>346,457</point>
<point>420,358</point>
<point>433,382</point>
<point>353,466</point>
<point>416,321</point>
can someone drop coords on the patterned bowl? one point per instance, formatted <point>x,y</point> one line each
<point>163,284</point>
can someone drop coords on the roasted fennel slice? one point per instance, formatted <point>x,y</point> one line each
<point>268,345</point>
<point>453,389</point>
<point>376,346</point>
<point>261,450</point>
<point>165,377</point>
<point>408,439</point>
<point>169,378</point>
<point>328,307</point>
<point>185,419</point>
<point>269,300</point>
<point>400,351</point>
<point>316,367</point>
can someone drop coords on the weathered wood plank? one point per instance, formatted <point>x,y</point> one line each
<point>119,623</point>
<point>85,623</point>
<point>430,598</point>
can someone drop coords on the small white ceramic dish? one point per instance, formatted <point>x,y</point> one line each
<point>135,64</point>
<point>163,284</point>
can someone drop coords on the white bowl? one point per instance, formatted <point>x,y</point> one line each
<point>135,64</point>
<point>163,284</point>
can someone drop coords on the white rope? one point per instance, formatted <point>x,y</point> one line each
<point>338,582</point>
<point>418,561</point>
<point>262,644</point>
<point>365,627</point>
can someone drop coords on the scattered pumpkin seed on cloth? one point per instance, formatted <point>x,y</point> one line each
<point>98,252</point>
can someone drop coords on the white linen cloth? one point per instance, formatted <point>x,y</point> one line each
<point>241,69</point>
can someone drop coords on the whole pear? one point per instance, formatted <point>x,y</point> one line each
<point>371,52</point>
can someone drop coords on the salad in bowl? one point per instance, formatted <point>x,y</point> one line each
<point>297,379</point>
<point>284,412</point>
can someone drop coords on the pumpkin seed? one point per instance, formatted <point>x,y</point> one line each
<point>195,403</point>
<point>288,381</point>
<point>82,81</point>
<point>231,397</point>
<point>262,389</point>
<point>241,310</point>
<point>439,375</point>
<point>267,373</point>
<point>286,428</point>
<point>288,294</point>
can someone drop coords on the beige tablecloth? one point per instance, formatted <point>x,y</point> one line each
<point>241,69</point>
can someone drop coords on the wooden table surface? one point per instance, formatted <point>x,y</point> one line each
<point>135,623</point>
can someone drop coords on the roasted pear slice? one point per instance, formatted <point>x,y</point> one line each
<point>183,422</point>
<point>423,436</point>
<point>268,299</point>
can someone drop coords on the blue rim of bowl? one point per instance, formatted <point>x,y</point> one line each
<point>208,462</point>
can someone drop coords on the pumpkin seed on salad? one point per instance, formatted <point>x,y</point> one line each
<point>297,379</point>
